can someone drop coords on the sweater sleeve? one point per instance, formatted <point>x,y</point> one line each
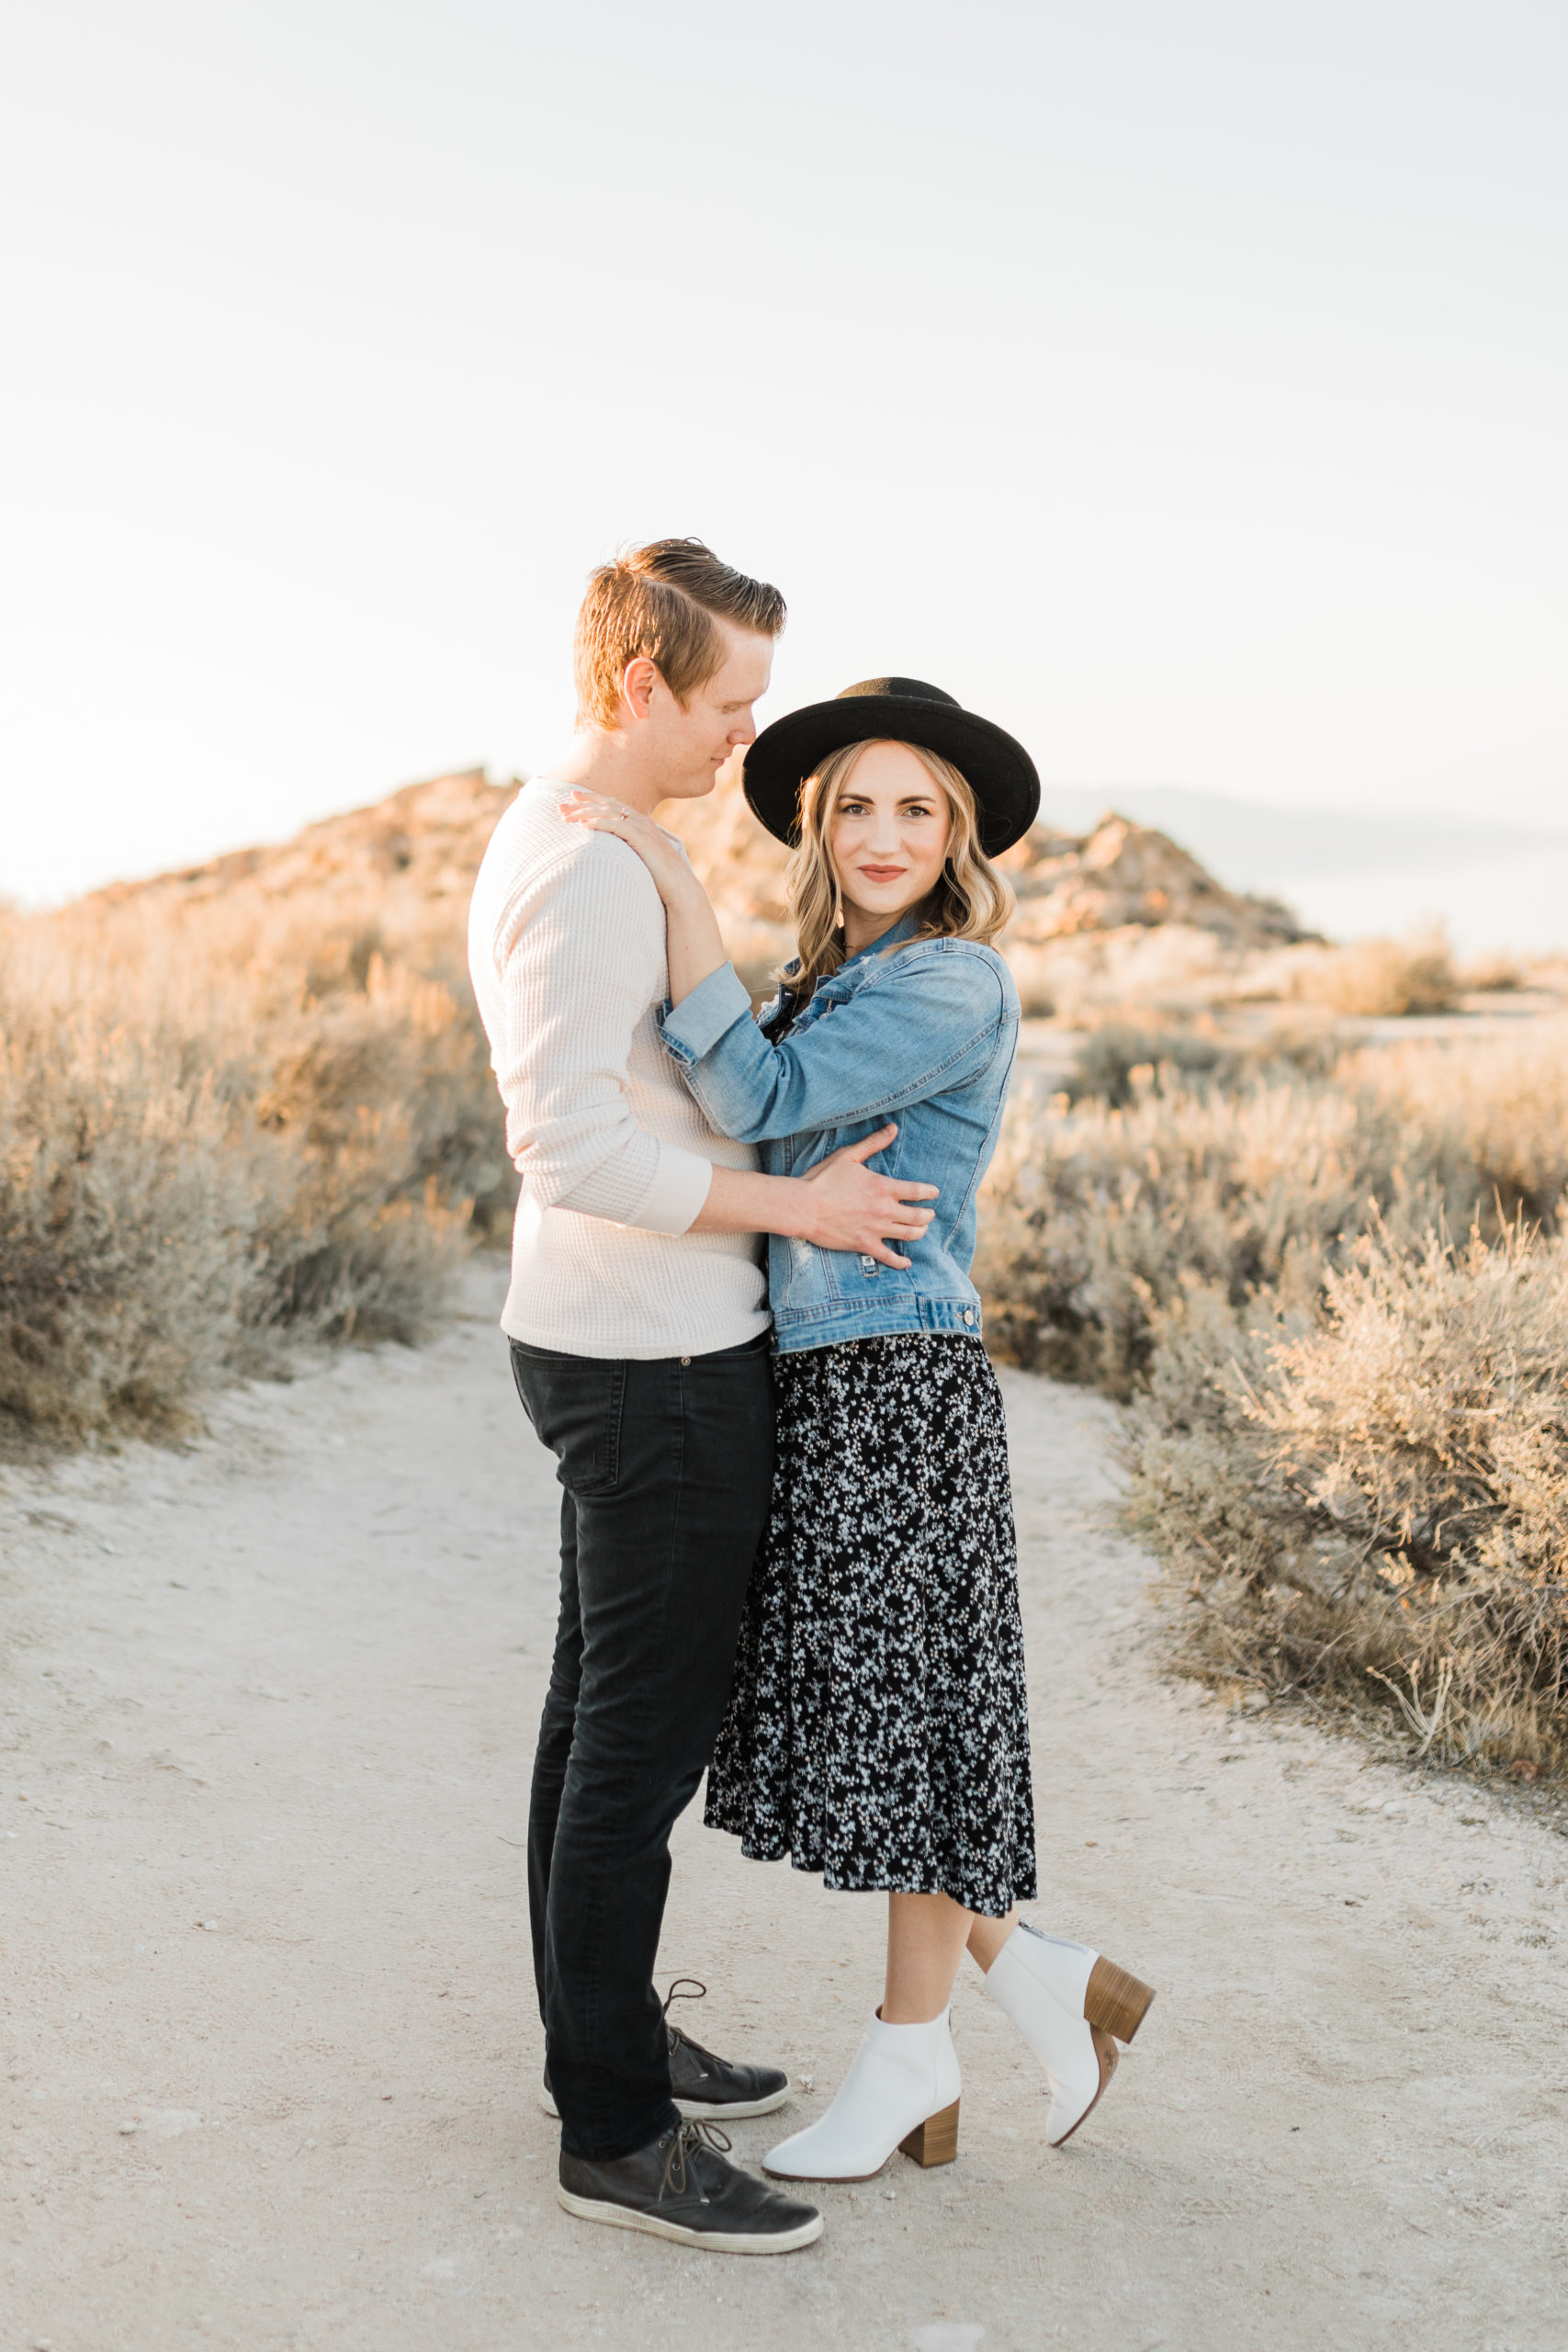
<point>580,959</point>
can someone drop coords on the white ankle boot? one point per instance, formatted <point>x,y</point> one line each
<point>1069,2004</point>
<point>900,2092</point>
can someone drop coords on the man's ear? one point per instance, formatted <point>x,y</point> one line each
<point>637,682</point>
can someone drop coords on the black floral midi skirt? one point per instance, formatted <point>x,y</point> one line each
<point>878,1724</point>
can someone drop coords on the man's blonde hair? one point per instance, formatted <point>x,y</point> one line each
<point>659,604</point>
<point>972,900</point>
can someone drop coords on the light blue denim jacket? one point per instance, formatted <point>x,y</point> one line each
<point>922,1033</point>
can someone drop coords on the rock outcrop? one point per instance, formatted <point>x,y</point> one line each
<point>1124,873</point>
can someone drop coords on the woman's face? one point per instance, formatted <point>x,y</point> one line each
<point>887,836</point>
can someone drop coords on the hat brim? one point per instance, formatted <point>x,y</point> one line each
<point>997,768</point>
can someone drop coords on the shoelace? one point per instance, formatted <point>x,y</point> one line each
<point>677,2178</point>
<point>698,1993</point>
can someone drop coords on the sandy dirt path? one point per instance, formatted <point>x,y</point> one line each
<point>268,1707</point>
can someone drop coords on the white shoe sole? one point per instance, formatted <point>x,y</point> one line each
<point>699,2111</point>
<point>625,2217</point>
<point>829,2179</point>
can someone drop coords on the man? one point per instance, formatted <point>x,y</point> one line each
<point>639,1322</point>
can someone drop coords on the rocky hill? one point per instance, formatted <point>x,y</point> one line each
<point>413,857</point>
<point>1125,874</point>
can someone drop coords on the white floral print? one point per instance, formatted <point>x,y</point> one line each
<point>878,1726</point>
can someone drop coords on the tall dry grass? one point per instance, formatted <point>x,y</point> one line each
<point>1349,1434</point>
<point>220,1124</point>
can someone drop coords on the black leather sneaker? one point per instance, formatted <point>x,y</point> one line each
<point>681,2187</point>
<point>706,2088</point>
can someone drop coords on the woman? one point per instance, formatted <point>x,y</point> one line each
<point>878,1726</point>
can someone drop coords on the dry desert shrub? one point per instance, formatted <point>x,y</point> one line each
<point>1348,1437</point>
<point>127,1219</point>
<point>1097,1219</point>
<point>1099,1215</point>
<point>1129,1052</point>
<point>1498,973</point>
<point>1493,1115</point>
<point>219,1125</point>
<point>1369,1505</point>
<point>1382,978</point>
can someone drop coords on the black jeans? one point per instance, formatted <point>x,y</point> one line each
<point>667,1468</point>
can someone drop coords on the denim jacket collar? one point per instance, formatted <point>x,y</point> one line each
<point>851,972</point>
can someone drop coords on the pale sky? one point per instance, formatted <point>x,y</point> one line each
<point>1183,384</point>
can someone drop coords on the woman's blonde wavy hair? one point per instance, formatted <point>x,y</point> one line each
<point>972,900</point>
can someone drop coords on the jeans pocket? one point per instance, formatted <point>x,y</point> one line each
<point>575,1404</point>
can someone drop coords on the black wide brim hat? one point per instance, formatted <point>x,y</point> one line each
<point>994,764</point>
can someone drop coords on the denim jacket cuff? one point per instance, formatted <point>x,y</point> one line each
<point>695,1025</point>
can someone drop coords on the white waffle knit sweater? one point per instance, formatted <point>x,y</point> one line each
<point>565,946</point>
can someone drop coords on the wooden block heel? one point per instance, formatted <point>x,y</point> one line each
<point>934,2141</point>
<point>1116,2002</point>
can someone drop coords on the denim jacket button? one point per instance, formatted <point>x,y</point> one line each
<point>969,1315</point>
